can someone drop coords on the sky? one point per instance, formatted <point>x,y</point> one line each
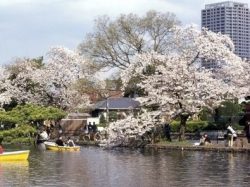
<point>28,28</point>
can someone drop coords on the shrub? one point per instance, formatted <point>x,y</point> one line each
<point>113,116</point>
<point>102,120</point>
<point>191,127</point>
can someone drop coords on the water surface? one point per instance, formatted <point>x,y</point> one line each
<point>122,167</point>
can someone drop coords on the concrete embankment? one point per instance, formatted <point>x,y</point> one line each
<point>199,148</point>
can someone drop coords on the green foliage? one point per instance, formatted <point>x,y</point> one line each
<point>102,125</point>
<point>113,116</point>
<point>191,127</point>
<point>113,84</point>
<point>38,62</point>
<point>228,110</point>
<point>25,116</point>
<point>132,89</point>
<point>29,114</point>
<point>149,70</point>
<point>20,134</point>
<point>205,115</point>
<point>21,140</point>
<point>102,120</point>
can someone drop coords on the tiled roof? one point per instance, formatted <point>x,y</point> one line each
<point>118,103</point>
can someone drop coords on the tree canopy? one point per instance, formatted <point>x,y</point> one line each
<point>51,80</point>
<point>30,114</point>
<point>115,42</point>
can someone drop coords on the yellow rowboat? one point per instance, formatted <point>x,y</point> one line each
<point>14,156</point>
<point>54,147</point>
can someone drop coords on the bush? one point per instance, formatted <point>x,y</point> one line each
<point>113,116</point>
<point>102,120</point>
<point>191,127</point>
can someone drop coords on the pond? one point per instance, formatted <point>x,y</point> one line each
<point>122,167</point>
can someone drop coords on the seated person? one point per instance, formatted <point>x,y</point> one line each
<point>207,139</point>
<point>70,142</point>
<point>202,140</point>
<point>59,141</point>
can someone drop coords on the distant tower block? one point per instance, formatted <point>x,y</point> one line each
<point>232,19</point>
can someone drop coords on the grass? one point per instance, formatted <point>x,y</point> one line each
<point>175,143</point>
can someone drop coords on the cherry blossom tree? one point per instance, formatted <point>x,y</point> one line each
<point>59,76</point>
<point>5,97</point>
<point>17,84</point>
<point>49,81</point>
<point>178,84</point>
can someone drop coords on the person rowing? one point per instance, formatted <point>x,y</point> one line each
<point>70,142</point>
<point>59,141</point>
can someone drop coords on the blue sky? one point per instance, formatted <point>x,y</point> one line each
<point>28,28</point>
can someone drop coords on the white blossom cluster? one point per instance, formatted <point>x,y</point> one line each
<point>131,127</point>
<point>52,82</point>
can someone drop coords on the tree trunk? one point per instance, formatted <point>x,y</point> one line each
<point>183,123</point>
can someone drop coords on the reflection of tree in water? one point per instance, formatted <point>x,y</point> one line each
<point>58,169</point>
<point>14,170</point>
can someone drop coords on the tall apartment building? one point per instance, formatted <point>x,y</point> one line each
<point>232,19</point>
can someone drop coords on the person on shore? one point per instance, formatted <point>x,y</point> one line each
<point>90,127</point>
<point>70,142</point>
<point>231,135</point>
<point>231,131</point>
<point>247,130</point>
<point>167,131</point>
<point>94,127</point>
<point>44,135</point>
<point>202,140</point>
<point>59,141</point>
<point>207,140</point>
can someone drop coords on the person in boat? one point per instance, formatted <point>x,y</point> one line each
<point>59,141</point>
<point>1,147</point>
<point>70,142</point>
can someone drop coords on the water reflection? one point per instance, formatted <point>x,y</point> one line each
<point>19,171</point>
<point>122,167</point>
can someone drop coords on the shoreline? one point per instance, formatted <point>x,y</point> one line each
<point>199,148</point>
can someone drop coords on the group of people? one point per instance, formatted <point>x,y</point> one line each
<point>230,136</point>
<point>43,135</point>
<point>69,142</point>
<point>90,128</point>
